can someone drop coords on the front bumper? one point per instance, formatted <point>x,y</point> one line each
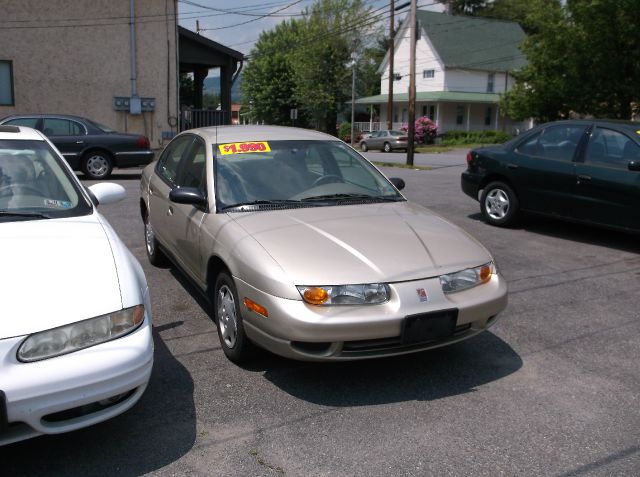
<point>63,394</point>
<point>297,330</point>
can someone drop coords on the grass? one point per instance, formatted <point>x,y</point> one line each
<point>401,165</point>
<point>434,149</point>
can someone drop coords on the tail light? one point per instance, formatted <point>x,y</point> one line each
<point>469,158</point>
<point>143,143</point>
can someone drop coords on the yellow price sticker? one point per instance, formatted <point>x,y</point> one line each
<point>244,147</point>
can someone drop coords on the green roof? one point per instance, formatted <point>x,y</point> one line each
<point>474,42</point>
<point>434,97</point>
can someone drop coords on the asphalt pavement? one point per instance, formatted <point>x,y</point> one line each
<point>553,389</point>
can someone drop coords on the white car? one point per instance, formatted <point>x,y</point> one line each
<point>75,318</point>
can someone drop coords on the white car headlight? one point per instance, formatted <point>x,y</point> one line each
<point>464,279</point>
<point>80,335</point>
<point>369,294</point>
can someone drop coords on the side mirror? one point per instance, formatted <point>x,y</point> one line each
<point>188,195</point>
<point>106,193</point>
<point>634,166</point>
<point>397,182</point>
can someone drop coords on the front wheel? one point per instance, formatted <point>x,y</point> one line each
<point>234,341</point>
<point>387,147</point>
<point>499,204</point>
<point>97,165</point>
<point>154,254</point>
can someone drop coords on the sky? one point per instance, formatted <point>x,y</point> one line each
<point>238,23</point>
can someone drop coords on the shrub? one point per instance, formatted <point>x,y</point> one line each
<point>344,133</point>
<point>455,138</point>
<point>425,130</point>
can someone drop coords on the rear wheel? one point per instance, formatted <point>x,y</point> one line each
<point>386,147</point>
<point>97,165</point>
<point>234,341</point>
<point>499,204</point>
<point>363,146</point>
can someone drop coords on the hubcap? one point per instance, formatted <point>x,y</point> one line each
<point>227,320</point>
<point>97,166</point>
<point>149,237</point>
<point>497,204</point>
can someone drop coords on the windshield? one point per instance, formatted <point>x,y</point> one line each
<point>292,173</point>
<point>397,133</point>
<point>35,185</point>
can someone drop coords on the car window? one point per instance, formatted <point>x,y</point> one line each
<point>193,170</point>
<point>610,147</point>
<point>296,171</point>
<point>396,133</point>
<point>61,127</point>
<point>34,180</point>
<point>28,122</point>
<point>168,163</point>
<point>557,142</point>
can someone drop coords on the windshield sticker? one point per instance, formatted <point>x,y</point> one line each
<point>243,147</point>
<point>57,204</point>
<point>638,131</point>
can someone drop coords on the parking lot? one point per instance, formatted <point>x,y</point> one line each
<point>553,389</point>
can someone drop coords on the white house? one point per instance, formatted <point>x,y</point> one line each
<point>462,68</point>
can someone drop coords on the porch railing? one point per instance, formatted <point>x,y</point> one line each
<point>373,126</point>
<point>200,118</point>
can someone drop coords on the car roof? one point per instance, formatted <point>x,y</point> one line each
<point>20,132</point>
<point>225,134</point>
<point>41,115</point>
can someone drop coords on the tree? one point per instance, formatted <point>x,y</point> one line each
<point>583,59</point>
<point>269,80</point>
<point>332,34</point>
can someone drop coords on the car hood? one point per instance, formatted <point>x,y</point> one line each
<point>362,243</point>
<point>55,272</point>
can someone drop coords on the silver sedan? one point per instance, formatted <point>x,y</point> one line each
<point>307,250</point>
<point>386,141</point>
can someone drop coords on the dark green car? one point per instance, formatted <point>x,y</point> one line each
<point>585,171</point>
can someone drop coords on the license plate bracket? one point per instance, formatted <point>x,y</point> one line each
<point>425,327</point>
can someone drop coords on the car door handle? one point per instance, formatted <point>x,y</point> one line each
<point>582,177</point>
<point>79,142</point>
<point>512,166</point>
<point>170,211</point>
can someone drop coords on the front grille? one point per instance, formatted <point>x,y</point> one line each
<point>363,347</point>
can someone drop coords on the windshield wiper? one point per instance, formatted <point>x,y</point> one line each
<point>263,202</point>
<point>342,197</point>
<point>34,215</point>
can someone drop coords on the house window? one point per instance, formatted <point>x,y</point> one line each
<point>6,83</point>
<point>491,78</point>
<point>459,115</point>
<point>427,74</point>
<point>487,116</point>
<point>429,111</point>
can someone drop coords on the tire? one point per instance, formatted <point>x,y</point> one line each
<point>499,204</point>
<point>386,147</point>
<point>226,309</point>
<point>363,146</point>
<point>152,246</point>
<point>97,165</point>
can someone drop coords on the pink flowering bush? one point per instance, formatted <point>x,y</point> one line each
<point>425,130</point>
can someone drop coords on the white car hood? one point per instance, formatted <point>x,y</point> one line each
<point>55,272</point>
<point>362,243</point>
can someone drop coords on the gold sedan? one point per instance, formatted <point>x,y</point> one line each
<point>307,250</point>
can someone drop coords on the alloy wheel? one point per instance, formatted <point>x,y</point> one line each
<point>227,320</point>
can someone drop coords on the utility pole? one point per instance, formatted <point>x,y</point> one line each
<point>412,84</point>
<point>353,94</point>
<point>392,48</point>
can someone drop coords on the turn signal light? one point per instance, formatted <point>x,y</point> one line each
<point>485,273</point>
<point>469,157</point>
<point>315,295</point>
<point>252,305</point>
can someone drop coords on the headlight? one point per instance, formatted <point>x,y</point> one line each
<point>77,336</point>
<point>369,294</point>
<point>458,281</point>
